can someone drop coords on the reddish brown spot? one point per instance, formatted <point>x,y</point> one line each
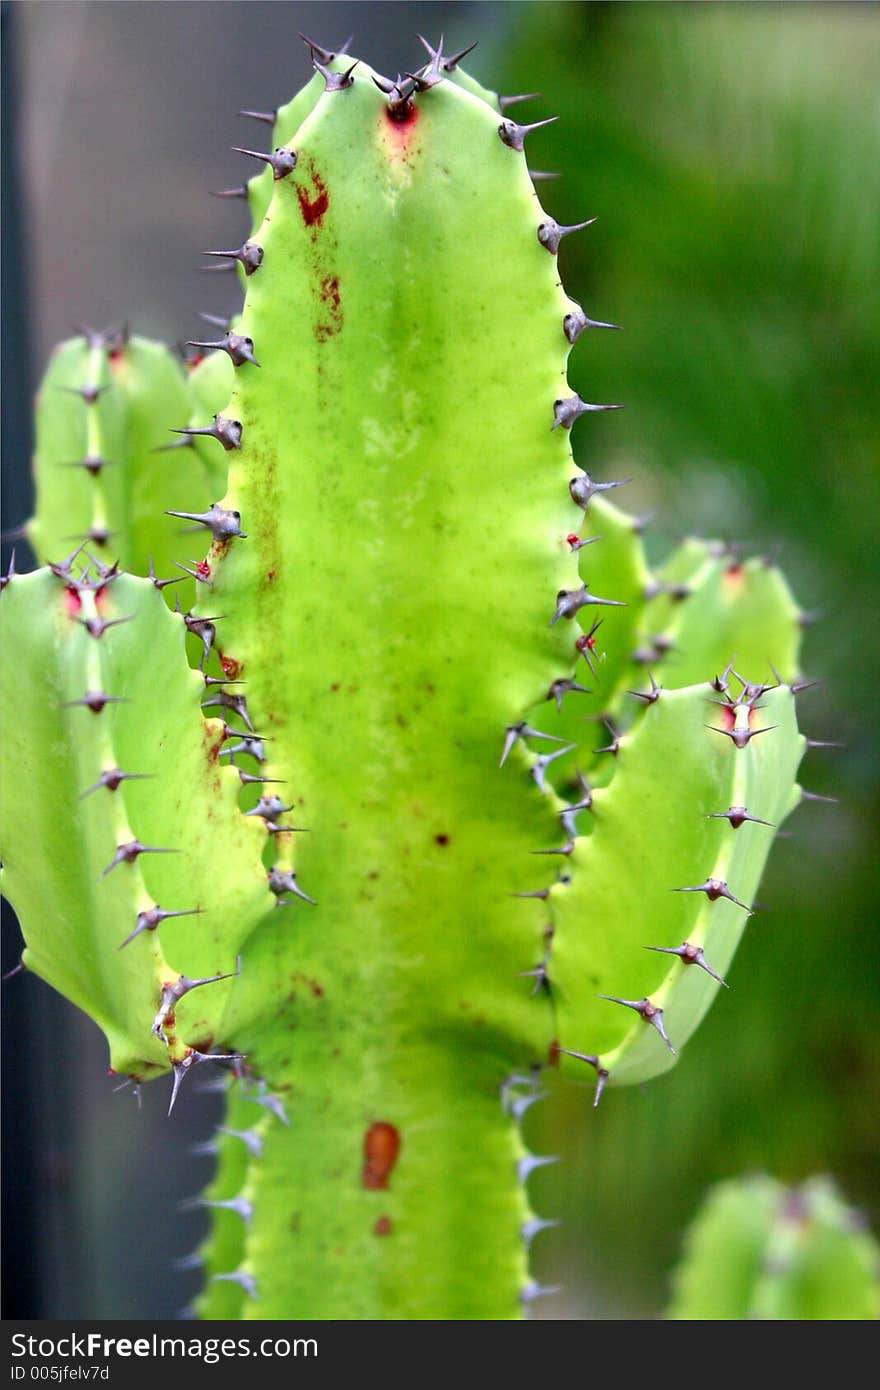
<point>728,717</point>
<point>72,602</point>
<point>203,568</point>
<point>441,839</point>
<point>194,361</point>
<point>734,577</point>
<point>381,1147</point>
<point>382,1226</point>
<point>111,1071</point>
<point>169,1021</point>
<point>270,575</point>
<point>328,294</point>
<point>573,540</point>
<point>553,1054</point>
<point>229,666</point>
<point>405,120</point>
<point>314,201</point>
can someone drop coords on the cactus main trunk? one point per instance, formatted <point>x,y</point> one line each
<point>476,800</point>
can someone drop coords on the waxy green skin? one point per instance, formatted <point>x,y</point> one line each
<point>391,614</point>
<point>760,1250</point>
<point>143,394</point>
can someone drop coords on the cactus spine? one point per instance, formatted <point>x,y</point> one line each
<point>398,933</point>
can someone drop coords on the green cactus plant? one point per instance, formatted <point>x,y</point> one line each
<point>758,1249</point>
<point>462,757</point>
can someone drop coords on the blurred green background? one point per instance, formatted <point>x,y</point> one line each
<point>732,155</point>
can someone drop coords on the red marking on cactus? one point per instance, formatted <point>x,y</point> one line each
<point>169,1021</point>
<point>573,540</point>
<point>553,1053</point>
<point>72,602</point>
<point>230,666</point>
<point>328,293</point>
<point>111,1071</point>
<point>734,577</point>
<point>728,717</point>
<point>382,1226</point>
<point>314,201</point>
<point>192,362</point>
<point>203,568</point>
<point>381,1147</point>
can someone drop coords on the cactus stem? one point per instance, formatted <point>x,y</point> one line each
<point>227,431</point>
<point>602,1073</point>
<point>239,349</point>
<point>249,254</point>
<point>715,888</point>
<point>514,136</point>
<point>551,232</point>
<point>648,1011</point>
<point>566,411</point>
<point>690,955</point>
<point>282,161</point>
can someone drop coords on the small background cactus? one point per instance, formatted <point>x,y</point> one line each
<point>661,1106</point>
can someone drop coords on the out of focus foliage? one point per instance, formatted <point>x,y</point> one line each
<point>732,154</point>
